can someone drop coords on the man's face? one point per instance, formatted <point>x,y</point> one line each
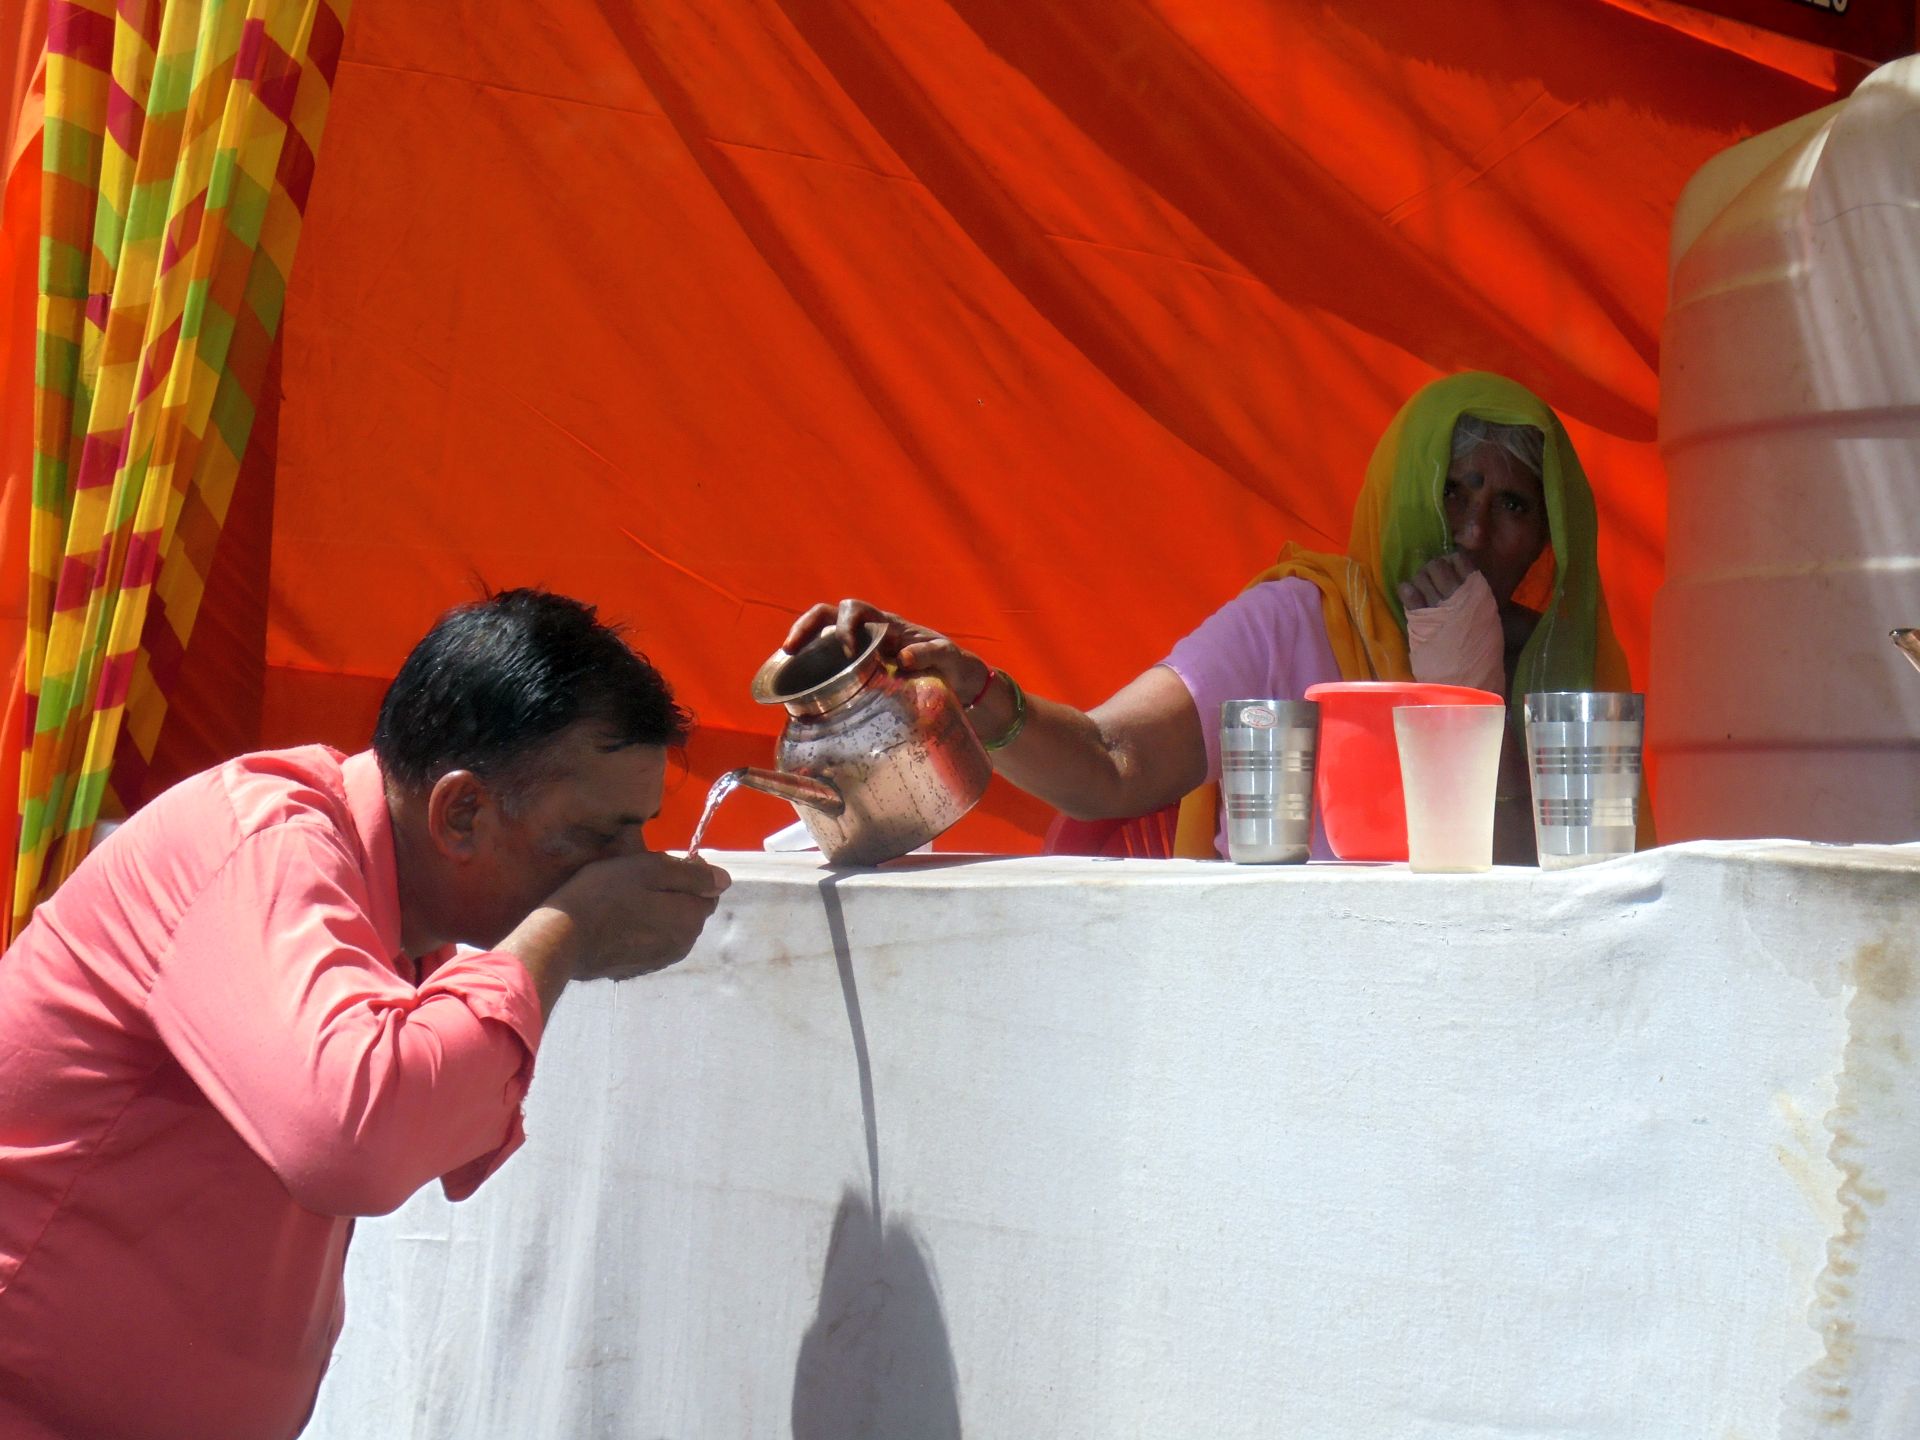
<point>590,804</point>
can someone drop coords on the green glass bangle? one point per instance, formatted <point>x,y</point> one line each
<point>1019,716</point>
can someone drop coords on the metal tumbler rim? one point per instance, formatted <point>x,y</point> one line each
<point>1560,706</point>
<point>1287,714</point>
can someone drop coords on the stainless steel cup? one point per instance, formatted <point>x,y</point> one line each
<point>1583,756</point>
<point>1266,778</point>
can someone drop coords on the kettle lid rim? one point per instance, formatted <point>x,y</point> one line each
<point>764,692</point>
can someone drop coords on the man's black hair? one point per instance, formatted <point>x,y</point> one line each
<point>495,681</point>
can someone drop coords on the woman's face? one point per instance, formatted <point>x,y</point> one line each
<point>1497,516</point>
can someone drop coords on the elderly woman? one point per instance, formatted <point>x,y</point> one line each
<point>1471,561</point>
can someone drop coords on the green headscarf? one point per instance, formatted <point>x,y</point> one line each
<point>1402,498</point>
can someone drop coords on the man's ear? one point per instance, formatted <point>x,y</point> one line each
<point>460,814</point>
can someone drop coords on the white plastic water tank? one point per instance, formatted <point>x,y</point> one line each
<point>1790,427</point>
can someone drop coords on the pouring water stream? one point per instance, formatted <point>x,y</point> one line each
<point>818,795</point>
<point>722,788</point>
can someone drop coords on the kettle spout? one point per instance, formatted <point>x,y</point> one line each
<point>821,795</point>
<point>1909,643</point>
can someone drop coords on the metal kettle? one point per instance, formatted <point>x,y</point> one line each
<point>877,760</point>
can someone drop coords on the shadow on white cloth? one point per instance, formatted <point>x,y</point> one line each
<point>876,1361</point>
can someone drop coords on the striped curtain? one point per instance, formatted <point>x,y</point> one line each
<point>179,148</point>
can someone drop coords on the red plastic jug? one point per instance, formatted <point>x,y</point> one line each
<point>1357,773</point>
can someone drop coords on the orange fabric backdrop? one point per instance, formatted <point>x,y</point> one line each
<point>1044,324</point>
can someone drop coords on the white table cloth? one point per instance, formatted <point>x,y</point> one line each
<point>1074,1148</point>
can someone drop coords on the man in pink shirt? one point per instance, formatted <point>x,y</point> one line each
<point>243,1022</point>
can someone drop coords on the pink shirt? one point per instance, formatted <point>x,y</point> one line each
<point>1267,643</point>
<point>212,1053</point>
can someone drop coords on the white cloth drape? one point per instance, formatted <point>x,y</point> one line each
<point>1074,1148</point>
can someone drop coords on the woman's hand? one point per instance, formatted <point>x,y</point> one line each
<point>1436,580</point>
<point>912,647</point>
<point>1456,640</point>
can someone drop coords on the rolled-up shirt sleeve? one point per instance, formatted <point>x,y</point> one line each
<point>354,1085</point>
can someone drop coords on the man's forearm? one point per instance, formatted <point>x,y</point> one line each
<point>547,945</point>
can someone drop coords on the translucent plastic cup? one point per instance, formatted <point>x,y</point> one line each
<point>1449,766</point>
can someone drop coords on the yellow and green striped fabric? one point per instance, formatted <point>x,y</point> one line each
<point>179,150</point>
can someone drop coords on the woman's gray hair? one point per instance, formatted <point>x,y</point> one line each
<point>1524,443</point>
